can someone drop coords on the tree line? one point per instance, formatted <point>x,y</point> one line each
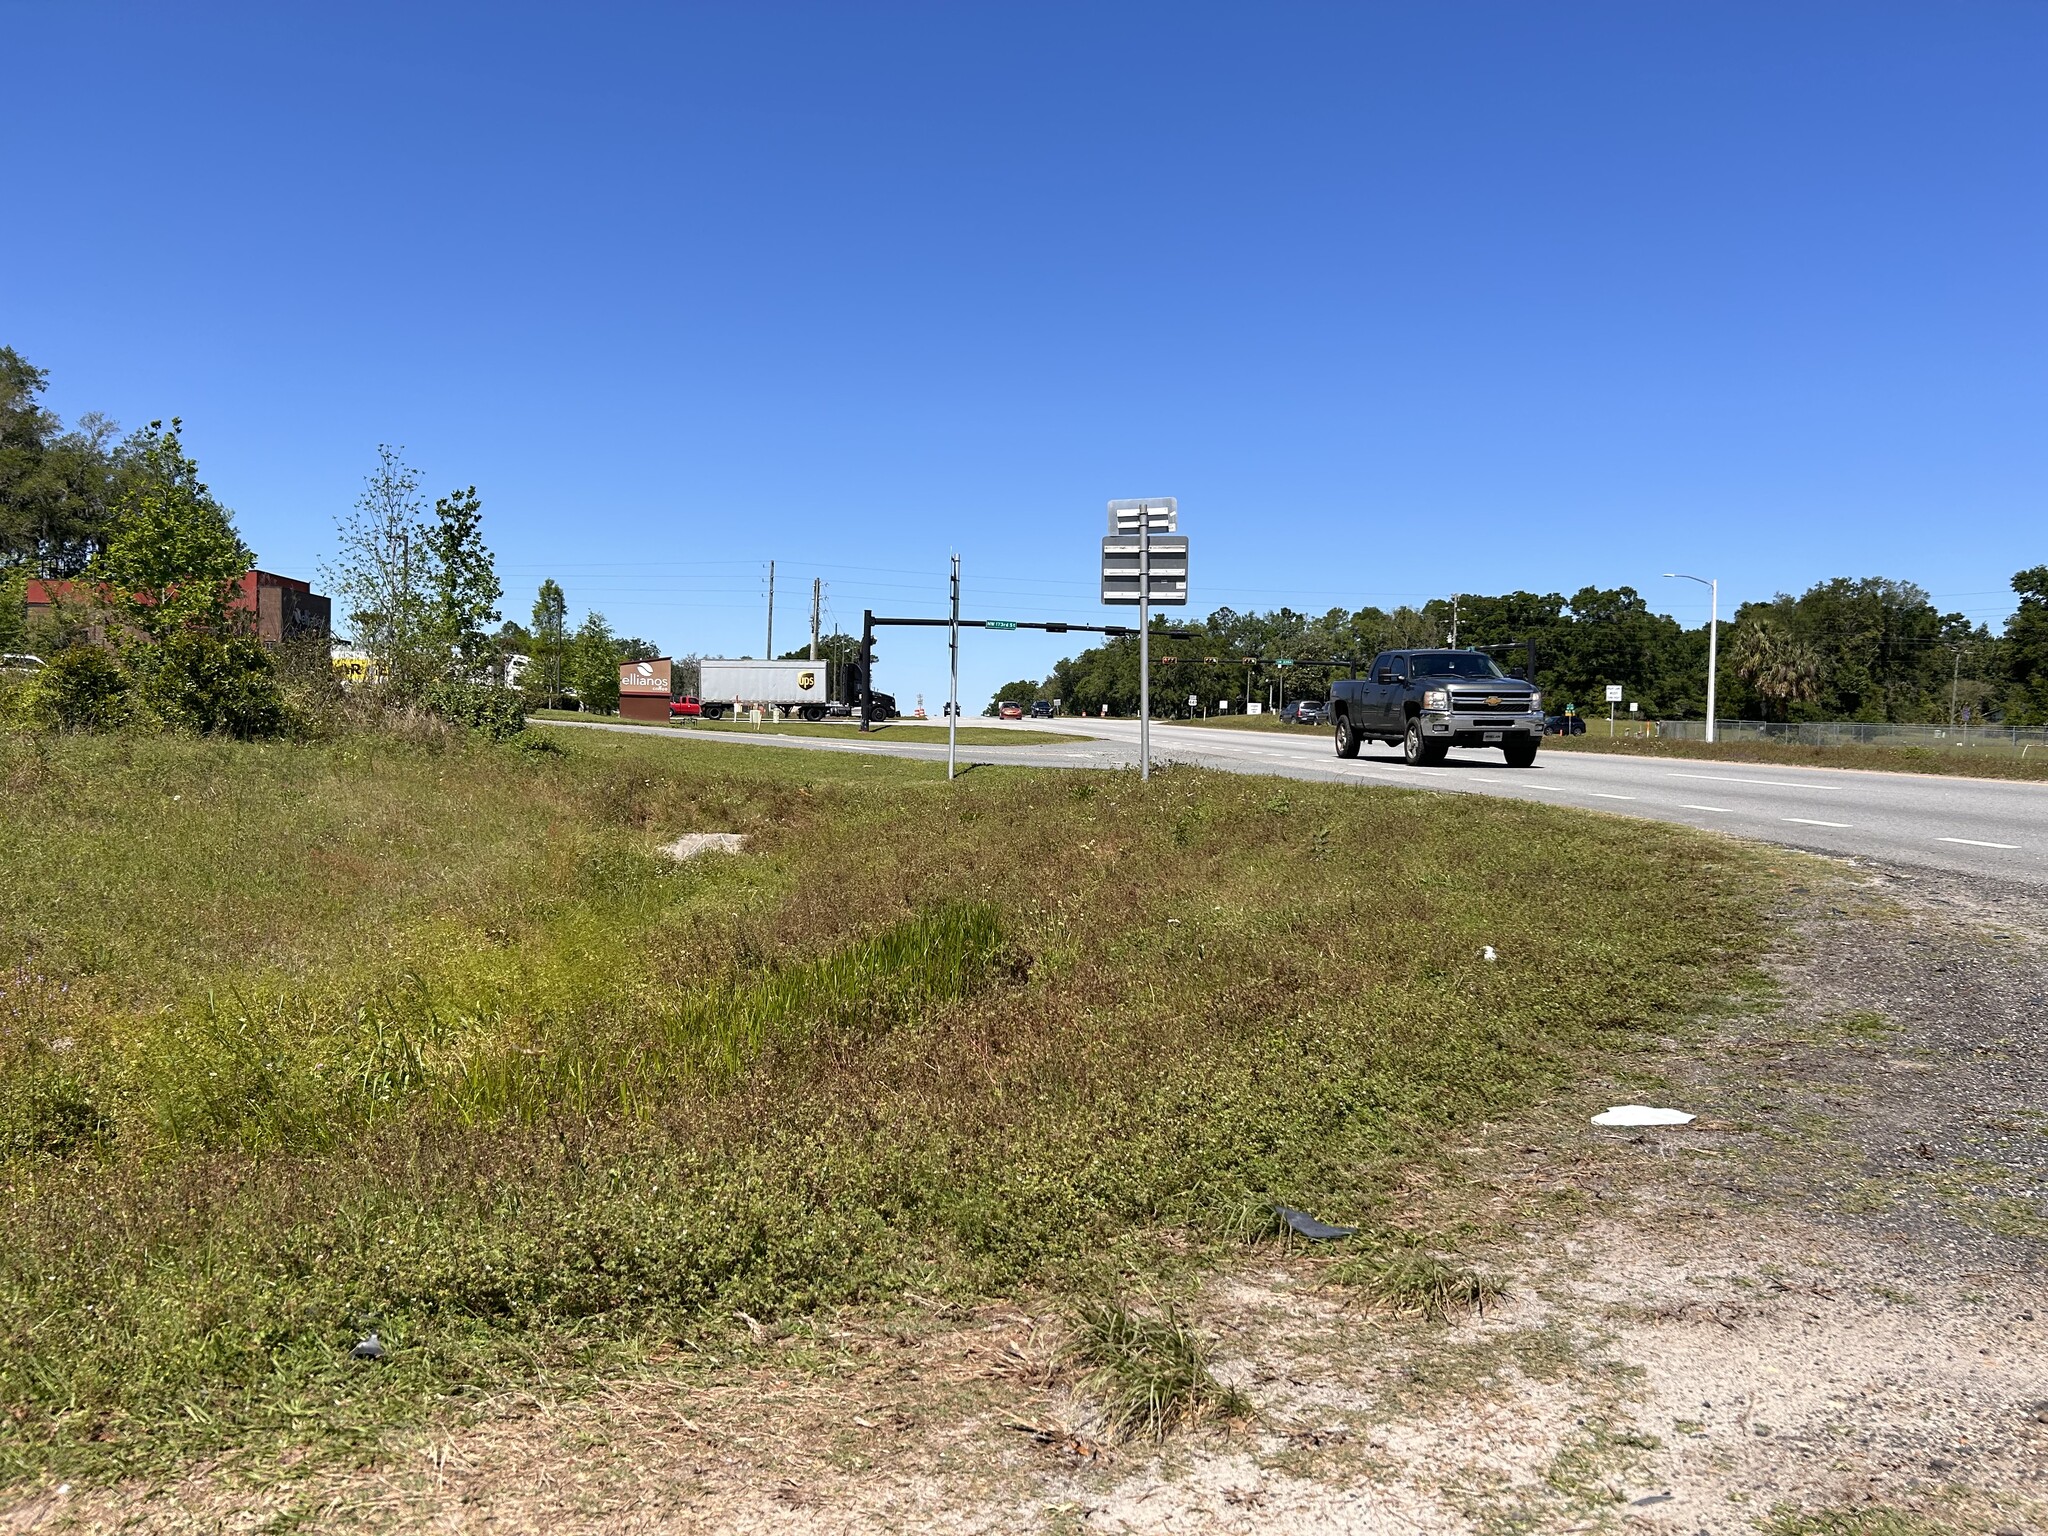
<point>1869,649</point>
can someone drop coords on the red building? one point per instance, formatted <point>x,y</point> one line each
<point>280,607</point>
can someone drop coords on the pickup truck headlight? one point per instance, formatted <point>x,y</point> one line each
<point>1535,703</point>
<point>1436,698</point>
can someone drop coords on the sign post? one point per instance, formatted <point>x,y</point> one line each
<point>1140,567</point>
<point>953,688</point>
<point>644,690</point>
<point>1613,698</point>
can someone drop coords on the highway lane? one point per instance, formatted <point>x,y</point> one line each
<point>1989,827</point>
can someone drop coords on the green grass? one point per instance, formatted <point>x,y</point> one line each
<point>893,730</point>
<point>1271,722</point>
<point>1958,762</point>
<point>1410,1282</point>
<point>300,1040</point>
<point>1872,1520</point>
<point>1146,1374</point>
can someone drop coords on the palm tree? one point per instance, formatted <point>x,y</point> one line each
<point>1782,670</point>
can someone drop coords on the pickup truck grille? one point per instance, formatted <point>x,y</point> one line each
<point>1490,703</point>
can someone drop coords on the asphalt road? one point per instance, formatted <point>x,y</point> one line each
<point>1988,827</point>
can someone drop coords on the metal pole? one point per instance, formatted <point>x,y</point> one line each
<point>769,654</point>
<point>953,688</point>
<point>1144,642</point>
<point>1713,648</point>
<point>817,597</point>
<point>867,668</point>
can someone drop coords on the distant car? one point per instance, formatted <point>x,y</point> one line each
<point>1041,709</point>
<point>1010,709</point>
<point>948,708</point>
<point>1564,725</point>
<point>1303,712</point>
<point>684,706</point>
<point>15,661</point>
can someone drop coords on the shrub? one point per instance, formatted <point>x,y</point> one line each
<point>198,682</point>
<point>498,714</point>
<point>1146,1374</point>
<point>81,689</point>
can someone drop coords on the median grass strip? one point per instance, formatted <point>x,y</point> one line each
<point>1997,762</point>
<point>925,733</point>
<point>300,1041</point>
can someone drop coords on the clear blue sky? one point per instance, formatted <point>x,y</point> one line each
<point>1396,299</point>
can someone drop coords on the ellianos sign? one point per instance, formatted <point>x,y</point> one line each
<point>650,677</point>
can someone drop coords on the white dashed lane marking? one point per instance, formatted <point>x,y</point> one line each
<point>1808,821</point>
<point>1971,842</point>
<point>1598,794</point>
<point>1722,778</point>
<point>1724,810</point>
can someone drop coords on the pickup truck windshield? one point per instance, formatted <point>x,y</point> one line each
<point>1454,664</point>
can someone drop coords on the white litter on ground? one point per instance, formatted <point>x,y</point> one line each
<point>1488,954</point>
<point>690,844</point>
<point>1641,1114</point>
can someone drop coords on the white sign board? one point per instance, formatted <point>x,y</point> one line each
<point>1255,708</point>
<point>1614,693</point>
<point>1167,563</point>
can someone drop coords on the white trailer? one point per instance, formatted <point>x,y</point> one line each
<point>799,687</point>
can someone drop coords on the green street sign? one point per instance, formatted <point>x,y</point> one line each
<point>1000,624</point>
<point>1283,663</point>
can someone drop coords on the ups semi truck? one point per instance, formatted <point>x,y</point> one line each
<point>796,686</point>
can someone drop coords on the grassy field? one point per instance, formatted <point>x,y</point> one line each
<point>894,730</point>
<point>300,1041</point>
<point>1960,762</point>
<point>1251,723</point>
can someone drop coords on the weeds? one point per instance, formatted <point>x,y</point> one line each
<point>1146,1375</point>
<point>301,1040</point>
<point>1410,1282</point>
<point>1874,1520</point>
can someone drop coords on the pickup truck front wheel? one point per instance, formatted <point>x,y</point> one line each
<point>1347,739</point>
<point>1520,753</point>
<point>1418,749</point>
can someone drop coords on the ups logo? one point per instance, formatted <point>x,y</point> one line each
<point>807,679</point>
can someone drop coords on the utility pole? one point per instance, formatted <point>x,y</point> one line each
<point>1713,587</point>
<point>817,600</point>
<point>1454,620</point>
<point>769,654</point>
<point>953,686</point>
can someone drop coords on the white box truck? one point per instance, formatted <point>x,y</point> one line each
<point>727,687</point>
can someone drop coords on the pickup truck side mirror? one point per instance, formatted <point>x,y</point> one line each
<point>1386,675</point>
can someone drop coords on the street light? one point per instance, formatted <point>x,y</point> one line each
<point>1713,635</point>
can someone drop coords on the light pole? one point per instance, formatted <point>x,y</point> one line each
<point>1713,635</point>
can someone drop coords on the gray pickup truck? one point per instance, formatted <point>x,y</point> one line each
<point>1426,702</point>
